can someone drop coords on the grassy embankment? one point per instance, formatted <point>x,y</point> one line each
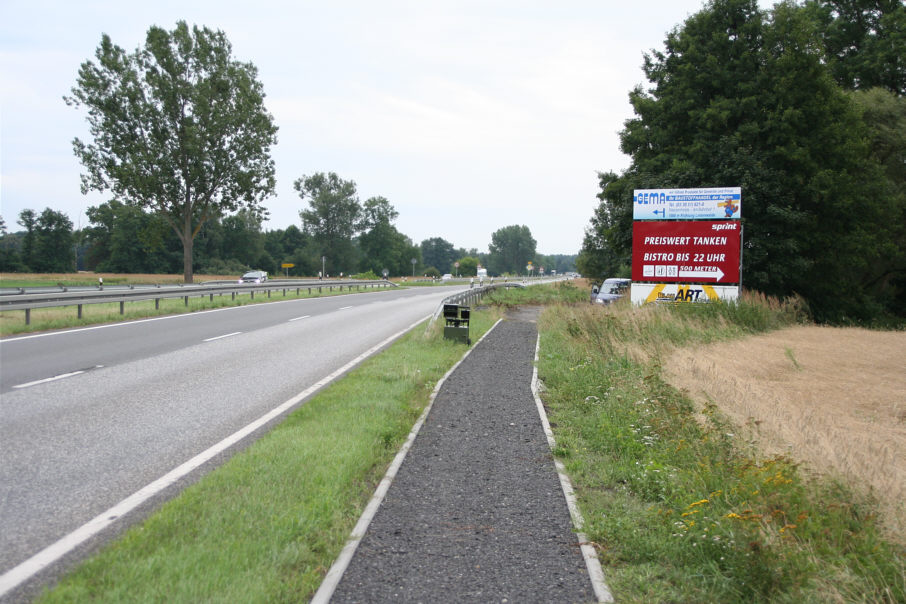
<point>680,508</point>
<point>266,526</point>
<point>62,317</point>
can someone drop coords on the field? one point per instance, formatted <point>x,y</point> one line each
<point>782,487</point>
<point>831,398</point>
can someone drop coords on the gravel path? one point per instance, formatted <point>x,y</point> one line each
<point>476,512</point>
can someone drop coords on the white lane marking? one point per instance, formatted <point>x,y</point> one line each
<point>226,335</point>
<point>595,572</point>
<point>53,552</point>
<point>299,318</point>
<point>344,307</point>
<point>62,376</point>
<point>335,573</point>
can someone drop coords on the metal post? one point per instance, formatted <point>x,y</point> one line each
<point>156,303</point>
<point>80,311</point>
<point>28,316</point>
<point>122,307</point>
<point>187,300</point>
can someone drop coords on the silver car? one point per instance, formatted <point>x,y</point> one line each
<point>610,291</point>
<point>254,277</point>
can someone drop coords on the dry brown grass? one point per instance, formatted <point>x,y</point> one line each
<point>831,398</point>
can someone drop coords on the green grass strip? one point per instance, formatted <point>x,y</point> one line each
<point>679,508</point>
<point>267,525</point>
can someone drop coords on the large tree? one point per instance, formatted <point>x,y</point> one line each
<point>332,219</point>
<point>511,249</point>
<point>179,127</point>
<point>381,245</point>
<point>54,251</point>
<point>439,253</point>
<point>740,99</point>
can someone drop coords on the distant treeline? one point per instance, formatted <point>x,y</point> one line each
<point>124,239</point>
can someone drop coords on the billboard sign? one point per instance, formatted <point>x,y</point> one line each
<point>679,293</point>
<point>686,252</point>
<point>720,203</point>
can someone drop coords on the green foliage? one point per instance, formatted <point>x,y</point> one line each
<point>332,218</point>
<point>439,253</point>
<point>511,248</point>
<point>864,42</point>
<point>178,127</point>
<point>563,292</point>
<point>741,98</point>
<point>124,239</point>
<point>48,244</point>
<point>366,275</point>
<point>381,246</point>
<point>468,266</point>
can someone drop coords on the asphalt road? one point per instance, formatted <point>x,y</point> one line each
<point>90,416</point>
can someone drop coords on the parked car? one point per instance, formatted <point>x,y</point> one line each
<point>254,277</point>
<point>446,277</point>
<point>610,291</point>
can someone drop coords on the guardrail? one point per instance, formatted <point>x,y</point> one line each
<point>23,300</point>
<point>476,293</point>
<point>470,295</point>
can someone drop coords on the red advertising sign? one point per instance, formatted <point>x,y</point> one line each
<point>688,252</point>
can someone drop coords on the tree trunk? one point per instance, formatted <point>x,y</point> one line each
<point>187,242</point>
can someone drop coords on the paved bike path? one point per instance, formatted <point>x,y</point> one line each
<point>476,512</point>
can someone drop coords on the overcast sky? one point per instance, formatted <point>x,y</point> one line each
<point>467,115</point>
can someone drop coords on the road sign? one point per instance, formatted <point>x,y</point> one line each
<point>287,265</point>
<point>691,252</point>
<point>719,203</point>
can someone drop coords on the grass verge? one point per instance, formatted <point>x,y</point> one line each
<point>267,525</point>
<point>680,509</point>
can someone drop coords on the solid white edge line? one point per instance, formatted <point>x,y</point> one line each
<point>299,318</point>
<point>335,573</point>
<point>595,572</point>
<point>27,569</point>
<point>226,335</point>
<point>50,379</point>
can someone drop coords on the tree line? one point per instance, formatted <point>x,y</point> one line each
<point>122,238</point>
<point>180,136</point>
<point>803,107</point>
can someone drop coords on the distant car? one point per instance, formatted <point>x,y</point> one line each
<point>610,291</point>
<point>446,277</point>
<point>254,277</point>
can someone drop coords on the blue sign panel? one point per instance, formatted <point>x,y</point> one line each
<point>722,203</point>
